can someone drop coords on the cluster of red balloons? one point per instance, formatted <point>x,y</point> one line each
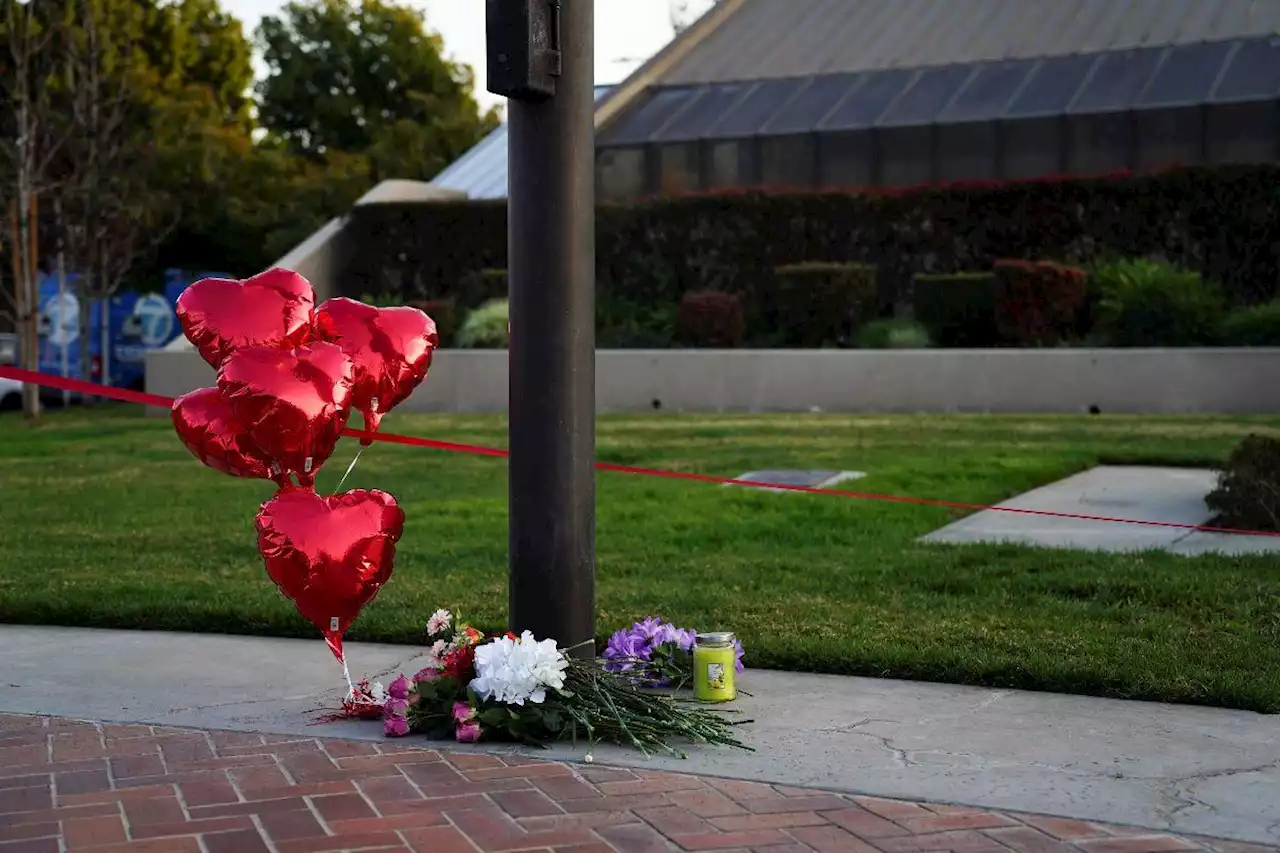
<point>289,376</point>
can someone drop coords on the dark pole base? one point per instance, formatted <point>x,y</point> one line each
<point>551,265</point>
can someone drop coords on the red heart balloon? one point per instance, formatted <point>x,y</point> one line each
<point>390,348</point>
<point>209,429</point>
<point>330,556</point>
<point>293,402</point>
<point>271,309</point>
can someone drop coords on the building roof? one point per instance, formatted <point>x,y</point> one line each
<point>482,171</point>
<point>1115,81</point>
<point>768,39</point>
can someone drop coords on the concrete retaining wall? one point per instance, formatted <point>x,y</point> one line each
<point>1232,381</point>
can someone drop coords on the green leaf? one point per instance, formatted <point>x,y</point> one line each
<point>493,716</point>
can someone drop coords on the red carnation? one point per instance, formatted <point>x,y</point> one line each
<point>459,663</point>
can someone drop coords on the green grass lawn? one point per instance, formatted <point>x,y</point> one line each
<point>107,521</point>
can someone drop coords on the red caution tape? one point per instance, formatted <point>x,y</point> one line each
<point>141,398</point>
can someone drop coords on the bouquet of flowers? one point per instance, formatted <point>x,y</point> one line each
<point>510,688</point>
<point>654,653</point>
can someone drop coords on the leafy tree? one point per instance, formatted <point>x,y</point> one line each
<point>194,44</point>
<point>131,100</point>
<point>262,200</point>
<point>353,75</point>
<point>29,143</point>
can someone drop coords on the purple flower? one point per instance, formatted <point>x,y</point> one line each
<point>467,732</point>
<point>684,638</point>
<point>399,688</point>
<point>650,629</point>
<point>395,727</point>
<point>656,652</point>
<point>463,713</point>
<point>624,649</point>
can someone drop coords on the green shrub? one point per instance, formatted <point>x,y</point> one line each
<point>893,334</point>
<point>1248,492</point>
<point>711,319</point>
<point>958,309</point>
<point>631,324</point>
<point>482,286</point>
<point>487,327</point>
<point>445,314</point>
<point>1038,303</point>
<point>1144,303</point>
<point>818,304</point>
<point>1257,326</point>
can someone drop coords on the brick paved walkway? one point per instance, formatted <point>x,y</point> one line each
<point>76,786</point>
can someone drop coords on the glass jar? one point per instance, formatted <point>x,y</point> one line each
<point>714,667</point>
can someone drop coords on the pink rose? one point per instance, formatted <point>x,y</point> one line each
<point>399,688</point>
<point>463,713</point>
<point>467,732</point>
<point>395,727</point>
<point>396,707</point>
<point>428,674</point>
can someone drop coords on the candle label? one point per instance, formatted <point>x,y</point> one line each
<point>715,676</point>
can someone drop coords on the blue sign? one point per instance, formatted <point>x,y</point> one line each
<point>136,323</point>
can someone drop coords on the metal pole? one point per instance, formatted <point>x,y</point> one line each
<point>551,268</point>
<point>104,357</point>
<point>62,321</point>
<point>61,315</point>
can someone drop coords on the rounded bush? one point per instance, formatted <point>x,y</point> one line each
<point>487,327</point>
<point>1038,303</point>
<point>1256,326</point>
<point>893,334</point>
<point>1144,303</point>
<point>1248,492</point>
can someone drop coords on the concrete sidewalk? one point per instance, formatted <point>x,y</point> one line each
<point>1134,492</point>
<point>1191,770</point>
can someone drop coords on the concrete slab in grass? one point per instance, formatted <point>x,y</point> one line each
<point>796,477</point>
<point>1170,495</point>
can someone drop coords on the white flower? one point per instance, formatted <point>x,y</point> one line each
<point>513,671</point>
<point>439,621</point>
<point>431,660</point>
<point>378,692</point>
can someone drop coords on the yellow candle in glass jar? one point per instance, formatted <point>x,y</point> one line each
<point>714,667</point>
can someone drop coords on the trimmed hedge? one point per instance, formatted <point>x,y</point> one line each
<point>1038,303</point>
<point>958,309</point>
<point>1221,221</point>
<point>816,304</point>
<point>711,319</point>
<point>480,287</point>
<point>627,324</point>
